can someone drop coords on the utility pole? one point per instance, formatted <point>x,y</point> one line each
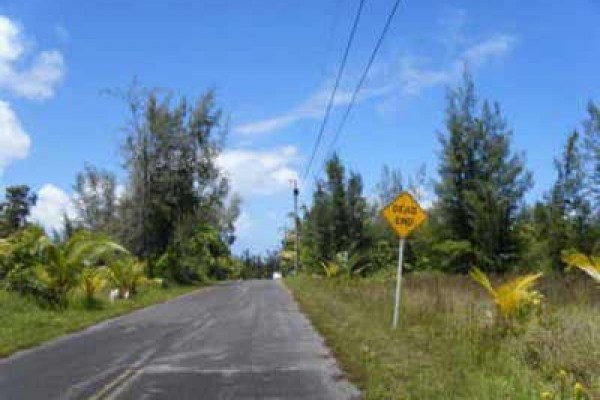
<point>296,225</point>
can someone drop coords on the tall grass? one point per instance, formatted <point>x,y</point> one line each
<point>447,345</point>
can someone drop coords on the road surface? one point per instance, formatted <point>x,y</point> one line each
<point>240,340</point>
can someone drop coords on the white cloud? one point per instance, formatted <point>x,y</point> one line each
<point>14,141</point>
<point>406,75</point>
<point>11,43</point>
<point>259,172</point>
<point>35,81</point>
<point>311,108</point>
<point>52,204</point>
<point>495,46</point>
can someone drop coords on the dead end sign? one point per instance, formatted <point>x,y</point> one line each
<point>404,214</point>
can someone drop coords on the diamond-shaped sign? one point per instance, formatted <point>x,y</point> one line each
<point>404,214</point>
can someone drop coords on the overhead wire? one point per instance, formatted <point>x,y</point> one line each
<point>335,88</point>
<point>365,74</point>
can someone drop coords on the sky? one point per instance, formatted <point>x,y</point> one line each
<point>273,64</point>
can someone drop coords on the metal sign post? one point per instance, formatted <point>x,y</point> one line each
<point>404,215</point>
<point>398,283</point>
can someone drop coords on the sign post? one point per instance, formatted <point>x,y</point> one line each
<point>403,214</point>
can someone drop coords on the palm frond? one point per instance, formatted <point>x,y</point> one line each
<point>480,277</point>
<point>589,264</point>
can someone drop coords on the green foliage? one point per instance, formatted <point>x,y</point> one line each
<point>482,182</point>
<point>171,159</point>
<point>446,348</point>
<point>19,254</point>
<point>259,266</point>
<point>338,219</point>
<point>452,255</point>
<point>96,200</point>
<point>25,324</point>
<point>566,387</point>
<point>34,265</point>
<point>15,209</point>
<point>197,254</point>
<point>568,220</point>
<point>126,274</point>
<point>60,265</point>
<point>92,280</point>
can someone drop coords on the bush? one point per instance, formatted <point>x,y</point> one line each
<point>196,255</point>
<point>19,254</point>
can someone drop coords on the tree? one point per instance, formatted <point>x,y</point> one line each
<point>390,185</point>
<point>569,219</point>
<point>482,182</point>
<point>171,158</point>
<point>16,208</point>
<point>592,144</point>
<point>96,200</point>
<point>336,186</point>
<point>338,219</point>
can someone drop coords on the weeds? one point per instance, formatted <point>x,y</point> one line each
<point>448,345</point>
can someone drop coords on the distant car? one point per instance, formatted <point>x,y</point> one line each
<point>277,275</point>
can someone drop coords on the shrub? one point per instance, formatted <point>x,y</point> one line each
<point>588,264</point>
<point>127,274</point>
<point>92,281</point>
<point>61,264</point>
<point>195,255</point>
<point>19,254</point>
<point>514,299</point>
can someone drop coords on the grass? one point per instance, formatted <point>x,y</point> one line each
<point>25,324</point>
<point>446,346</point>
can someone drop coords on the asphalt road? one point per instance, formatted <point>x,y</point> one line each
<point>241,340</point>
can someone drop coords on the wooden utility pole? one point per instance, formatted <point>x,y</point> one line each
<point>296,226</point>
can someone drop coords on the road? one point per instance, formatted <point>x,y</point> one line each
<point>239,340</point>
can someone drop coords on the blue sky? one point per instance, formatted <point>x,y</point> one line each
<point>272,64</point>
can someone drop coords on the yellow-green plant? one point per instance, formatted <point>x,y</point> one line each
<point>514,298</point>
<point>61,264</point>
<point>332,269</point>
<point>5,247</point>
<point>127,274</point>
<point>589,264</point>
<point>92,281</point>
<point>565,387</point>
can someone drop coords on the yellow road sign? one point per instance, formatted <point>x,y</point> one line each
<point>404,214</point>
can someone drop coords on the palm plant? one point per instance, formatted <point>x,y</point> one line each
<point>127,274</point>
<point>589,264</point>
<point>62,264</point>
<point>513,298</point>
<point>345,263</point>
<point>92,281</point>
<point>332,269</point>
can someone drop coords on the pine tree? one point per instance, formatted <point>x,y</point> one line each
<point>592,145</point>
<point>336,186</point>
<point>569,222</point>
<point>16,208</point>
<point>482,182</point>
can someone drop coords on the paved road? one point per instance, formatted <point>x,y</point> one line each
<point>242,340</point>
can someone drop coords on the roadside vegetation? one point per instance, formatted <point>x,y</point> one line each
<point>448,344</point>
<point>501,298</point>
<point>26,324</point>
<point>166,228</point>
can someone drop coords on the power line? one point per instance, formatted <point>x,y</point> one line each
<point>365,73</point>
<point>335,87</point>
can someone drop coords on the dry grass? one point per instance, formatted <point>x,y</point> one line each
<point>446,346</point>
